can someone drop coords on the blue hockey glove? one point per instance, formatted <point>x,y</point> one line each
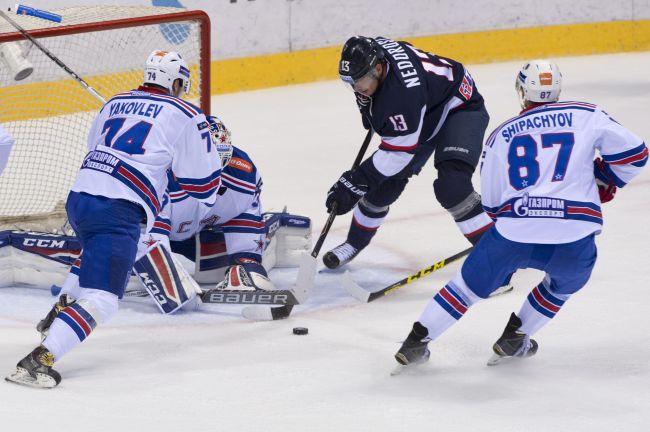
<point>604,181</point>
<point>346,192</point>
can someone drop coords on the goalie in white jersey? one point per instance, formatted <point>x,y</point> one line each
<point>136,137</point>
<point>238,212</point>
<point>543,184</point>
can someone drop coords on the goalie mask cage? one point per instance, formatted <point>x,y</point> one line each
<point>49,114</point>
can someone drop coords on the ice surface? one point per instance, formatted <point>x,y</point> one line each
<point>212,370</point>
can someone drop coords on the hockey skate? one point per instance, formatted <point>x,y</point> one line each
<point>512,343</point>
<point>340,255</point>
<point>35,370</point>
<point>44,325</point>
<point>414,349</point>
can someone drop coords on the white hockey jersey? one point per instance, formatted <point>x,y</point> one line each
<point>6,142</point>
<point>237,211</point>
<point>537,173</point>
<point>136,137</point>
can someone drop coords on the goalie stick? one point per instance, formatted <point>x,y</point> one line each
<point>54,58</point>
<point>366,296</point>
<point>307,271</point>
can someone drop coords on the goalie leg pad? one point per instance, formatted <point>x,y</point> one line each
<point>165,280</point>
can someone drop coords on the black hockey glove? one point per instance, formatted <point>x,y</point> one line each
<point>346,192</point>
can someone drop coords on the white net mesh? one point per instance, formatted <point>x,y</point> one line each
<point>49,114</point>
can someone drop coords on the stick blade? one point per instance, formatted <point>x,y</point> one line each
<point>305,280</point>
<point>353,288</point>
<point>264,313</point>
<point>257,313</point>
<point>301,290</point>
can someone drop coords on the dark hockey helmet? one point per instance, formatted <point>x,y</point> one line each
<point>359,55</point>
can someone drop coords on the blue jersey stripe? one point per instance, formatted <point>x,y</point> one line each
<point>244,230</point>
<point>236,188</point>
<point>625,154</point>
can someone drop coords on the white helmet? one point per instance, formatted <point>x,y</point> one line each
<point>165,67</point>
<point>539,81</point>
<point>221,139</point>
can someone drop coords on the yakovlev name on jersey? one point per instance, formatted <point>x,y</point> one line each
<point>137,108</point>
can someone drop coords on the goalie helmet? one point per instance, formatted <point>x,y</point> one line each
<point>165,67</point>
<point>359,56</point>
<point>539,81</point>
<point>221,139</point>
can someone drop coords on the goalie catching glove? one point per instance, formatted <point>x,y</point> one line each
<point>247,274</point>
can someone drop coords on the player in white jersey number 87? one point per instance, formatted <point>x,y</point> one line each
<point>542,184</point>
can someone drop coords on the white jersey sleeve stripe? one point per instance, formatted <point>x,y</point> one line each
<point>107,163</point>
<point>201,188</point>
<point>637,156</point>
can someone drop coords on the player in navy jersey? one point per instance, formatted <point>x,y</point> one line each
<point>134,140</point>
<point>544,185</point>
<point>420,104</point>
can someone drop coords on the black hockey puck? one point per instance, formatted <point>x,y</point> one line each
<point>300,330</point>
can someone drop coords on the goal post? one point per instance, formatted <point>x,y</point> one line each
<point>49,114</point>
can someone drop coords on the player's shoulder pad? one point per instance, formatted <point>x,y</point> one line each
<point>241,165</point>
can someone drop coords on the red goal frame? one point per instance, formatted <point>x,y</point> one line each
<point>195,15</point>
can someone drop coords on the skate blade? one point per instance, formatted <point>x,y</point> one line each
<point>497,359</point>
<point>404,368</point>
<point>22,377</point>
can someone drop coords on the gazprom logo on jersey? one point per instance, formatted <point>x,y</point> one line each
<point>528,206</point>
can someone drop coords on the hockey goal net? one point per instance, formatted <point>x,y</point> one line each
<point>49,114</point>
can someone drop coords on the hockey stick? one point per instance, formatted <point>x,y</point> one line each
<point>54,58</point>
<point>366,297</point>
<point>260,297</point>
<point>307,271</point>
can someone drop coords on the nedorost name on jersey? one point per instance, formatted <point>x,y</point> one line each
<point>402,60</point>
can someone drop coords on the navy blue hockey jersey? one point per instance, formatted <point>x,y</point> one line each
<point>411,104</point>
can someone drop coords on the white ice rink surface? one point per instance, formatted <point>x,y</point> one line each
<point>214,371</point>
